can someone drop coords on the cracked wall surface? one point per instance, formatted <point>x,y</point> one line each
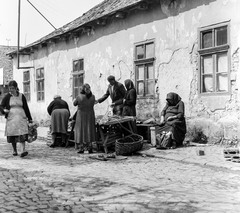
<point>109,50</point>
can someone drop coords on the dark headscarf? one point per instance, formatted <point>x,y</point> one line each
<point>83,91</point>
<point>174,97</point>
<point>128,84</point>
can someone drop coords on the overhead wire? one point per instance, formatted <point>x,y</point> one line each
<point>41,14</point>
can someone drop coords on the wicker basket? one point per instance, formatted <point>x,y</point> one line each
<point>129,144</point>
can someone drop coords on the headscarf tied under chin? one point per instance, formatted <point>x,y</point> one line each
<point>174,97</point>
<point>128,84</point>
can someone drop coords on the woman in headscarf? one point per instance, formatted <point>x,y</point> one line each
<point>173,120</point>
<point>84,131</point>
<point>129,101</point>
<point>14,106</point>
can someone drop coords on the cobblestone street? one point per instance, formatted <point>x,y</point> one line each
<point>60,180</point>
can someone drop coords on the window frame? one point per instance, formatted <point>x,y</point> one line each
<point>214,52</point>
<point>41,79</point>
<point>76,73</point>
<point>145,62</point>
<point>27,82</point>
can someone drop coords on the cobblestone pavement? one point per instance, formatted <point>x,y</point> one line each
<point>60,180</point>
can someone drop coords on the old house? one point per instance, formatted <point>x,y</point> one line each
<point>6,68</point>
<point>186,46</point>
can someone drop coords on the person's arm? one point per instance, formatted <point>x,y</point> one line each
<point>181,110</point>
<point>75,101</point>
<point>50,107</point>
<point>5,107</point>
<point>26,109</point>
<point>132,98</point>
<point>104,97</point>
<point>180,113</point>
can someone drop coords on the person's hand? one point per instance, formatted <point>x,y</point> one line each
<point>161,120</point>
<point>124,100</point>
<point>6,111</point>
<point>96,102</point>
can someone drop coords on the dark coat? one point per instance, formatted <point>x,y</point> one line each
<point>57,104</point>
<point>129,105</point>
<point>116,95</point>
<point>6,105</point>
<point>174,107</point>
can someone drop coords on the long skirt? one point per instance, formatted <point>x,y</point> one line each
<point>85,131</point>
<point>59,121</point>
<point>177,128</point>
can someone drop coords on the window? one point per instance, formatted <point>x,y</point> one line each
<point>26,84</point>
<point>144,68</point>
<point>78,74</point>
<point>40,84</point>
<point>214,61</point>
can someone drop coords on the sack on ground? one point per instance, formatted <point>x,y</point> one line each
<point>164,140</point>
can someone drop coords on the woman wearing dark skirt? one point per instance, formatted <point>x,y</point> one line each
<point>85,131</point>
<point>14,106</point>
<point>129,101</point>
<point>59,111</point>
<point>173,120</point>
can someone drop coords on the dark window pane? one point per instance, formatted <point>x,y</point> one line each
<point>140,52</point>
<point>221,34</point>
<point>42,85</point>
<point>42,73</point>
<point>26,76</point>
<point>81,65</point>
<point>150,50</point>
<point>76,65</point>
<point>75,79</point>
<point>207,39</point>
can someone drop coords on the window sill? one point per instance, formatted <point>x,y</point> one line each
<point>146,97</point>
<point>214,94</point>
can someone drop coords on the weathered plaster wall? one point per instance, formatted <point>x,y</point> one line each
<point>109,50</point>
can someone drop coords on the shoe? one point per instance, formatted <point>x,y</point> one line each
<point>15,153</point>
<point>90,151</point>
<point>23,154</point>
<point>80,152</point>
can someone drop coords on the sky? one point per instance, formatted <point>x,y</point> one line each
<point>32,25</point>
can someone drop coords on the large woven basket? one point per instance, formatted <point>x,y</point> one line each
<point>129,144</point>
